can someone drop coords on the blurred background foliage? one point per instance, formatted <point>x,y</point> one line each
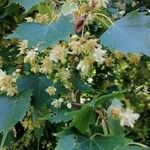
<point>119,72</point>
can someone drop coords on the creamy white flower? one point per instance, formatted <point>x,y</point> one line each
<point>7,84</point>
<point>115,111</point>
<point>30,57</point>
<point>42,18</point>
<point>90,80</point>
<point>99,55</point>
<point>57,102</point>
<point>12,91</point>
<point>128,118</point>
<point>85,64</point>
<point>64,74</point>
<point>69,105</point>
<point>47,66</point>
<point>23,46</point>
<point>82,100</point>
<point>99,3</point>
<point>51,90</point>
<point>35,67</point>
<point>58,53</point>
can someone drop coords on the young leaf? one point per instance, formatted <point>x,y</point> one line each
<point>129,34</point>
<point>83,118</point>
<point>43,35</point>
<point>27,4</point>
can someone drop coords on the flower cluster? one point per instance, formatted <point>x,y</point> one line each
<point>23,46</point>
<point>39,18</point>
<point>7,84</point>
<point>98,3</point>
<point>57,102</point>
<point>127,117</point>
<point>51,90</point>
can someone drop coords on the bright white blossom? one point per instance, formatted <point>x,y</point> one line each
<point>57,102</point>
<point>89,80</point>
<point>128,118</point>
<point>99,55</point>
<point>69,105</point>
<point>51,90</point>
<point>82,100</point>
<point>29,19</point>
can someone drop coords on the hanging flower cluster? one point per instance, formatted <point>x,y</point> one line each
<point>127,116</point>
<point>7,84</point>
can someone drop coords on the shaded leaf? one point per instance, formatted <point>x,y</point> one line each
<point>83,118</point>
<point>129,34</point>
<point>38,84</point>
<point>60,115</point>
<point>13,109</point>
<point>80,142</point>
<point>27,4</point>
<point>44,35</point>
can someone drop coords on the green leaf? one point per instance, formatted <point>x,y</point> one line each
<point>83,118</point>
<point>60,115</point>
<point>79,142</point>
<point>114,126</point>
<point>13,110</point>
<point>44,35</point>
<point>66,143</point>
<point>135,148</point>
<point>105,98</point>
<point>38,84</point>
<point>27,4</point>
<point>46,9</point>
<point>129,34</point>
<point>80,84</point>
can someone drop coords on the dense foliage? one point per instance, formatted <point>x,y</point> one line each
<point>74,75</point>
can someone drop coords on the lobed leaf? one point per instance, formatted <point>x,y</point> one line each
<point>42,36</point>
<point>27,4</point>
<point>129,34</point>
